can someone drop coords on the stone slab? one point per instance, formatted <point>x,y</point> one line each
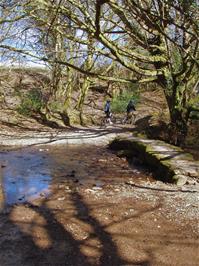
<point>168,161</point>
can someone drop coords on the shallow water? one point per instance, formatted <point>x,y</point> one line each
<point>28,173</point>
<point>24,174</point>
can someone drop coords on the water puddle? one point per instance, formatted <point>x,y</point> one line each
<point>29,173</point>
<point>24,175</point>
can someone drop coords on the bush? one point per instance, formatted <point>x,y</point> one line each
<point>119,103</point>
<point>30,102</point>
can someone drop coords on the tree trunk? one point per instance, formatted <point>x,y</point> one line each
<point>179,113</point>
<point>67,95</point>
<point>83,92</point>
<point>178,128</point>
<point>65,118</point>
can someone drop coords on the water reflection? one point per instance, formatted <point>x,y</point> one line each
<point>24,175</point>
<point>28,173</point>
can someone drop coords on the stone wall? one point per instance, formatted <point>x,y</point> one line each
<point>168,162</point>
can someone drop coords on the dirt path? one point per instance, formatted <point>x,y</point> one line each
<point>76,135</point>
<point>96,209</point>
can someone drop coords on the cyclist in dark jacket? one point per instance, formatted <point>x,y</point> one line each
<point>129,111</point>
<point>130,107</point>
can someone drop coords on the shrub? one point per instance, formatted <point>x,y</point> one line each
<point>30,102</point>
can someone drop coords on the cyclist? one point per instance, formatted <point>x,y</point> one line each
<point>107,111</point>
<point>129,111</point>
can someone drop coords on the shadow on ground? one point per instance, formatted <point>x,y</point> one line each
<point>63,247</point>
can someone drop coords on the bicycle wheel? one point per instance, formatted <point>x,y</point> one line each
<point>104,122</point>
<point>133,119</point>
<point>123,120</point>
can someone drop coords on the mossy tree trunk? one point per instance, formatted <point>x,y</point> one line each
<point>83,92</point>
<point>67,90</point>
<point>177,84</point>
<point>89,62</point>
<point>66,94</point>
<point>179,109</point>
<point>179,114</point>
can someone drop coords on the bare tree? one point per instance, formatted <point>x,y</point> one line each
<point>155,40</point>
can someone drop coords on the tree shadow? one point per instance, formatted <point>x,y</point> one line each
<point>72,135</point>
<point>142,123</point>
<point>64,249</point>
<point>17,125</point>
<point>157,131</point>
<point>109,250</point>
<point>41,119</point>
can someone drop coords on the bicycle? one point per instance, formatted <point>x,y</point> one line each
<point>107,120</point>
<point>130,118</point>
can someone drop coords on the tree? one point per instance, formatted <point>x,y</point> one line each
<point>11,14</point>
<point>57,36</point>
<point>156,40</point>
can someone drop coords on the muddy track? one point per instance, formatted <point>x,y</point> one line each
<point>86,213</point>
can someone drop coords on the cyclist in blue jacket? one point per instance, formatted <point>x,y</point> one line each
<point>107,110</point>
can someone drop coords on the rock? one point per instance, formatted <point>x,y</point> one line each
<point>191,182</point>
<point>102,160</point>
<point>180,180</point>
<point>63,198</point>
<point>169,162</point>
<point>96,188</point>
